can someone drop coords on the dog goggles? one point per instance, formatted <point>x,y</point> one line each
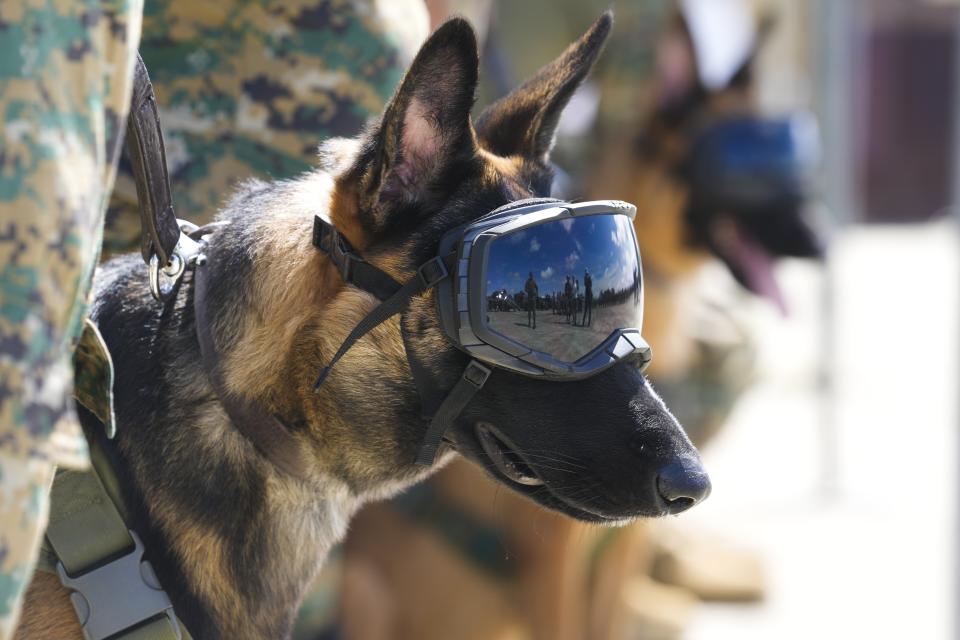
<point>752,163</point>
<point>540,287</point>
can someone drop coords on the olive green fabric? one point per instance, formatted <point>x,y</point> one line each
<point>159,629</point>
<point>85,528</point>
<point>93,376</point>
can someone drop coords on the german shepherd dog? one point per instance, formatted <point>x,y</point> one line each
<point>557,579</point>
<point>234,540</point>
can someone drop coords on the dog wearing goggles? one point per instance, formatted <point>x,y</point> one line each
<point>550,577</point>
<point>236,527</point>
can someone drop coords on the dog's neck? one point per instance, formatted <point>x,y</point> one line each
<point>235,540</point>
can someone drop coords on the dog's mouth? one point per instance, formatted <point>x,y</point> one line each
<point>505,457</point>
<point>748,260</point>
<point>505,462</point>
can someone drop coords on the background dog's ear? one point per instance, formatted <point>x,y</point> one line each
<point>523,122</point>
<point>425,128</point>
<point>743,78</point>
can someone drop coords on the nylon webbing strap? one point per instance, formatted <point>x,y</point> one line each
<point>267,433</point>
<point>88,530</point>
<point>113,590</point>
<point>159,230</point>
<point>472,380</point>
<point>354,269</point>
<point>427,276</point>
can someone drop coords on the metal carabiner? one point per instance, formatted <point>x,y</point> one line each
<point>187,249</point>
<point>172,271</point>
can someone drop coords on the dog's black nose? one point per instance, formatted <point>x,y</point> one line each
<point>682,485</point>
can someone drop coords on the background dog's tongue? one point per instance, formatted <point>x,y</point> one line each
<point>756,267</point>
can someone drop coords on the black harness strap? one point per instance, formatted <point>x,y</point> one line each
<point>267,433</point>
<point>395,298</point>
<point>472,380</point>
<point>356,271</point>
<point>159,230</point>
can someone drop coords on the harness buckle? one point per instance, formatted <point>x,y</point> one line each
<point>476,374</point>
<point>118,595</point>
<point>432,271</point>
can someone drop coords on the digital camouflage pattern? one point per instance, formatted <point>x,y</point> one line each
<point>246,88</point>
<point>65,69</point>
<point>93,376</point>
<point>249,88</point>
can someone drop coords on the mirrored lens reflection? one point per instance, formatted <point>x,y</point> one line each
<point>564,286</point>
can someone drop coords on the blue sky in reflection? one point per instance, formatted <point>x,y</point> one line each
<point>604,244</point>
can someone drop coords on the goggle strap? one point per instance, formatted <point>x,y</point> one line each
<point>389,307</point>
<point>428,275</point>
<point>353,269</point>
<point>472,380</point>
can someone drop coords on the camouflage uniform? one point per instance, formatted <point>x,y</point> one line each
<point>250,87</point>
<point>246,88</point>
<point>65,70</point>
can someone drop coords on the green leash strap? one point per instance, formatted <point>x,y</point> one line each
<point>85,530</point>
<point>114,591</point>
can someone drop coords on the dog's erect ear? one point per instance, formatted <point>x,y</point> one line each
<point>425,128</point>
<point>743,78</point>
<point>523,122</point>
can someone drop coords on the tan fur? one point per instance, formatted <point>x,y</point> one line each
<point>47,612</point>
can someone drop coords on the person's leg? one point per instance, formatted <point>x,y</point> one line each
<point>66,81</point>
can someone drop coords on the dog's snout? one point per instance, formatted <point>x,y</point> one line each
<point>682,485</point>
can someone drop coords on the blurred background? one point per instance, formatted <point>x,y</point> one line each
<point>836,465</point>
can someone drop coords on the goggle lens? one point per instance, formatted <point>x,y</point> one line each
<point>564,286</point>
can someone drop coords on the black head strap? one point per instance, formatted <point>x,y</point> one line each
<point>395,299</point>
<point>354,269</point>
<point>360,273</point>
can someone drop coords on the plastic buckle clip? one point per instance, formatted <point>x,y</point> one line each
<point>118,595</point>
<point>327,239</point>
<point>432,271</point>
<point>476,374</point>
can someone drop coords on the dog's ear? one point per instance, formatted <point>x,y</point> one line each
<point>523,122</point>
<point>425,129</point>
<point>743,78</point>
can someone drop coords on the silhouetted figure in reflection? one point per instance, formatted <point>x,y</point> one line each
<point>588,298</point>
<point>531,289</point>
<point>576,299</point>
<point>636,285</point>
<point>567,295</point>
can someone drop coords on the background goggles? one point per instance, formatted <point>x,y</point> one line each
<point>547,288</point>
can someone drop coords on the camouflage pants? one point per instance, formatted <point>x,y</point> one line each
<point>65,70</point>
<point>246,88</point>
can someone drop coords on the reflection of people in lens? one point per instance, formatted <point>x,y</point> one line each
<point>531,289</point>
<point>567,295</point>
<point>576,299</point>
<point>588,302</point>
